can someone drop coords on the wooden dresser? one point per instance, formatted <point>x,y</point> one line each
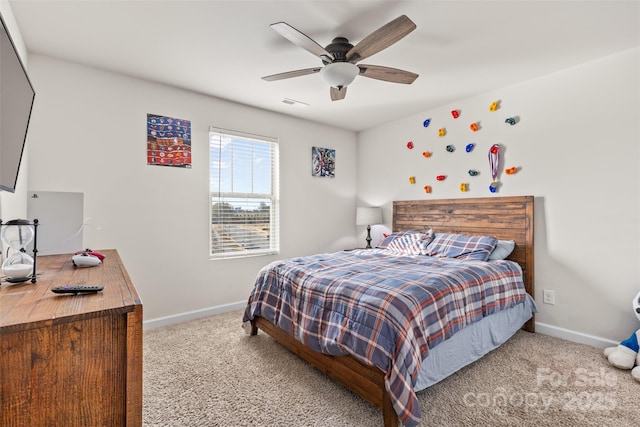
<point>71,360</point>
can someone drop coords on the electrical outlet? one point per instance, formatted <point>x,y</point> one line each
<point>548,297</point>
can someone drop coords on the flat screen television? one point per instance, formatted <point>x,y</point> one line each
<point>16,101</point>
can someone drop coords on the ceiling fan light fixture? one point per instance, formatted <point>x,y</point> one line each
<point>339,74</point>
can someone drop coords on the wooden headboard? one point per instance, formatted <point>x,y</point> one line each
<point>507,218</point>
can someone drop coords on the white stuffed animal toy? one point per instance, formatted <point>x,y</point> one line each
<point>627,354</point>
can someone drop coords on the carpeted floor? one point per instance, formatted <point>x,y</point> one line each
<point>208,372</point>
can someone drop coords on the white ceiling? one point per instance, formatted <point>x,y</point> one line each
<point>222,48</point>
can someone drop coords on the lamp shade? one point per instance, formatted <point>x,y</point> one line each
<point>368,216</point>
<point>339,74</point>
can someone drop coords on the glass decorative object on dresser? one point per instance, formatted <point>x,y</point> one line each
<point>17,235</point>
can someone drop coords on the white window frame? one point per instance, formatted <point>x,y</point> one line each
<point>243,198</point>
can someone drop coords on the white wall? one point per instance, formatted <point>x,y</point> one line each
<point>577,144</point>
<point>88,135</point>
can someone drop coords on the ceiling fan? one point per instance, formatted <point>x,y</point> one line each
<point>340,57</point>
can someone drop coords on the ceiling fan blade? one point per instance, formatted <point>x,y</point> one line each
<point>338,94</point>
<point>387,74</point>
<point>290,74</point>
<point>381,38</point>
<point>302,40</point>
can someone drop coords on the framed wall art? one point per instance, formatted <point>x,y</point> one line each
<point>168,141</point>
<point>323,162</point>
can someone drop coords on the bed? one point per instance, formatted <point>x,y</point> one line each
<point>416,348</point>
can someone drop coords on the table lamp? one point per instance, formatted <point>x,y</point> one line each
<point>368,216</point>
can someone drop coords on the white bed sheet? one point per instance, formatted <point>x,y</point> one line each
<point>473,342</point>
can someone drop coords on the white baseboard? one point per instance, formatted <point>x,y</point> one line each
<point>541,328</point>
<point>190,315</point>
<point>574,336</point>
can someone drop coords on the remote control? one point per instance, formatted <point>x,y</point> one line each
<point>77,289</point>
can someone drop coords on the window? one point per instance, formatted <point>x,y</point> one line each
<point>243,186</point>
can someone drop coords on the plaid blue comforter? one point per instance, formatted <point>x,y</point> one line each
<point>385,309</point>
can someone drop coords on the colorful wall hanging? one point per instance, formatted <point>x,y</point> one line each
<point>494,164</point>
<point>452,132</point>
<point>323,162</point>
<point>168,141</point>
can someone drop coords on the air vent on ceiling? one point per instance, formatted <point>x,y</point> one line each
<point>293,102</point>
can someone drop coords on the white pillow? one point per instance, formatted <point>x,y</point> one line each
<point>503,250</point>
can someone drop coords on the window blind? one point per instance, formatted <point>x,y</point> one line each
<point>244,194</point>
